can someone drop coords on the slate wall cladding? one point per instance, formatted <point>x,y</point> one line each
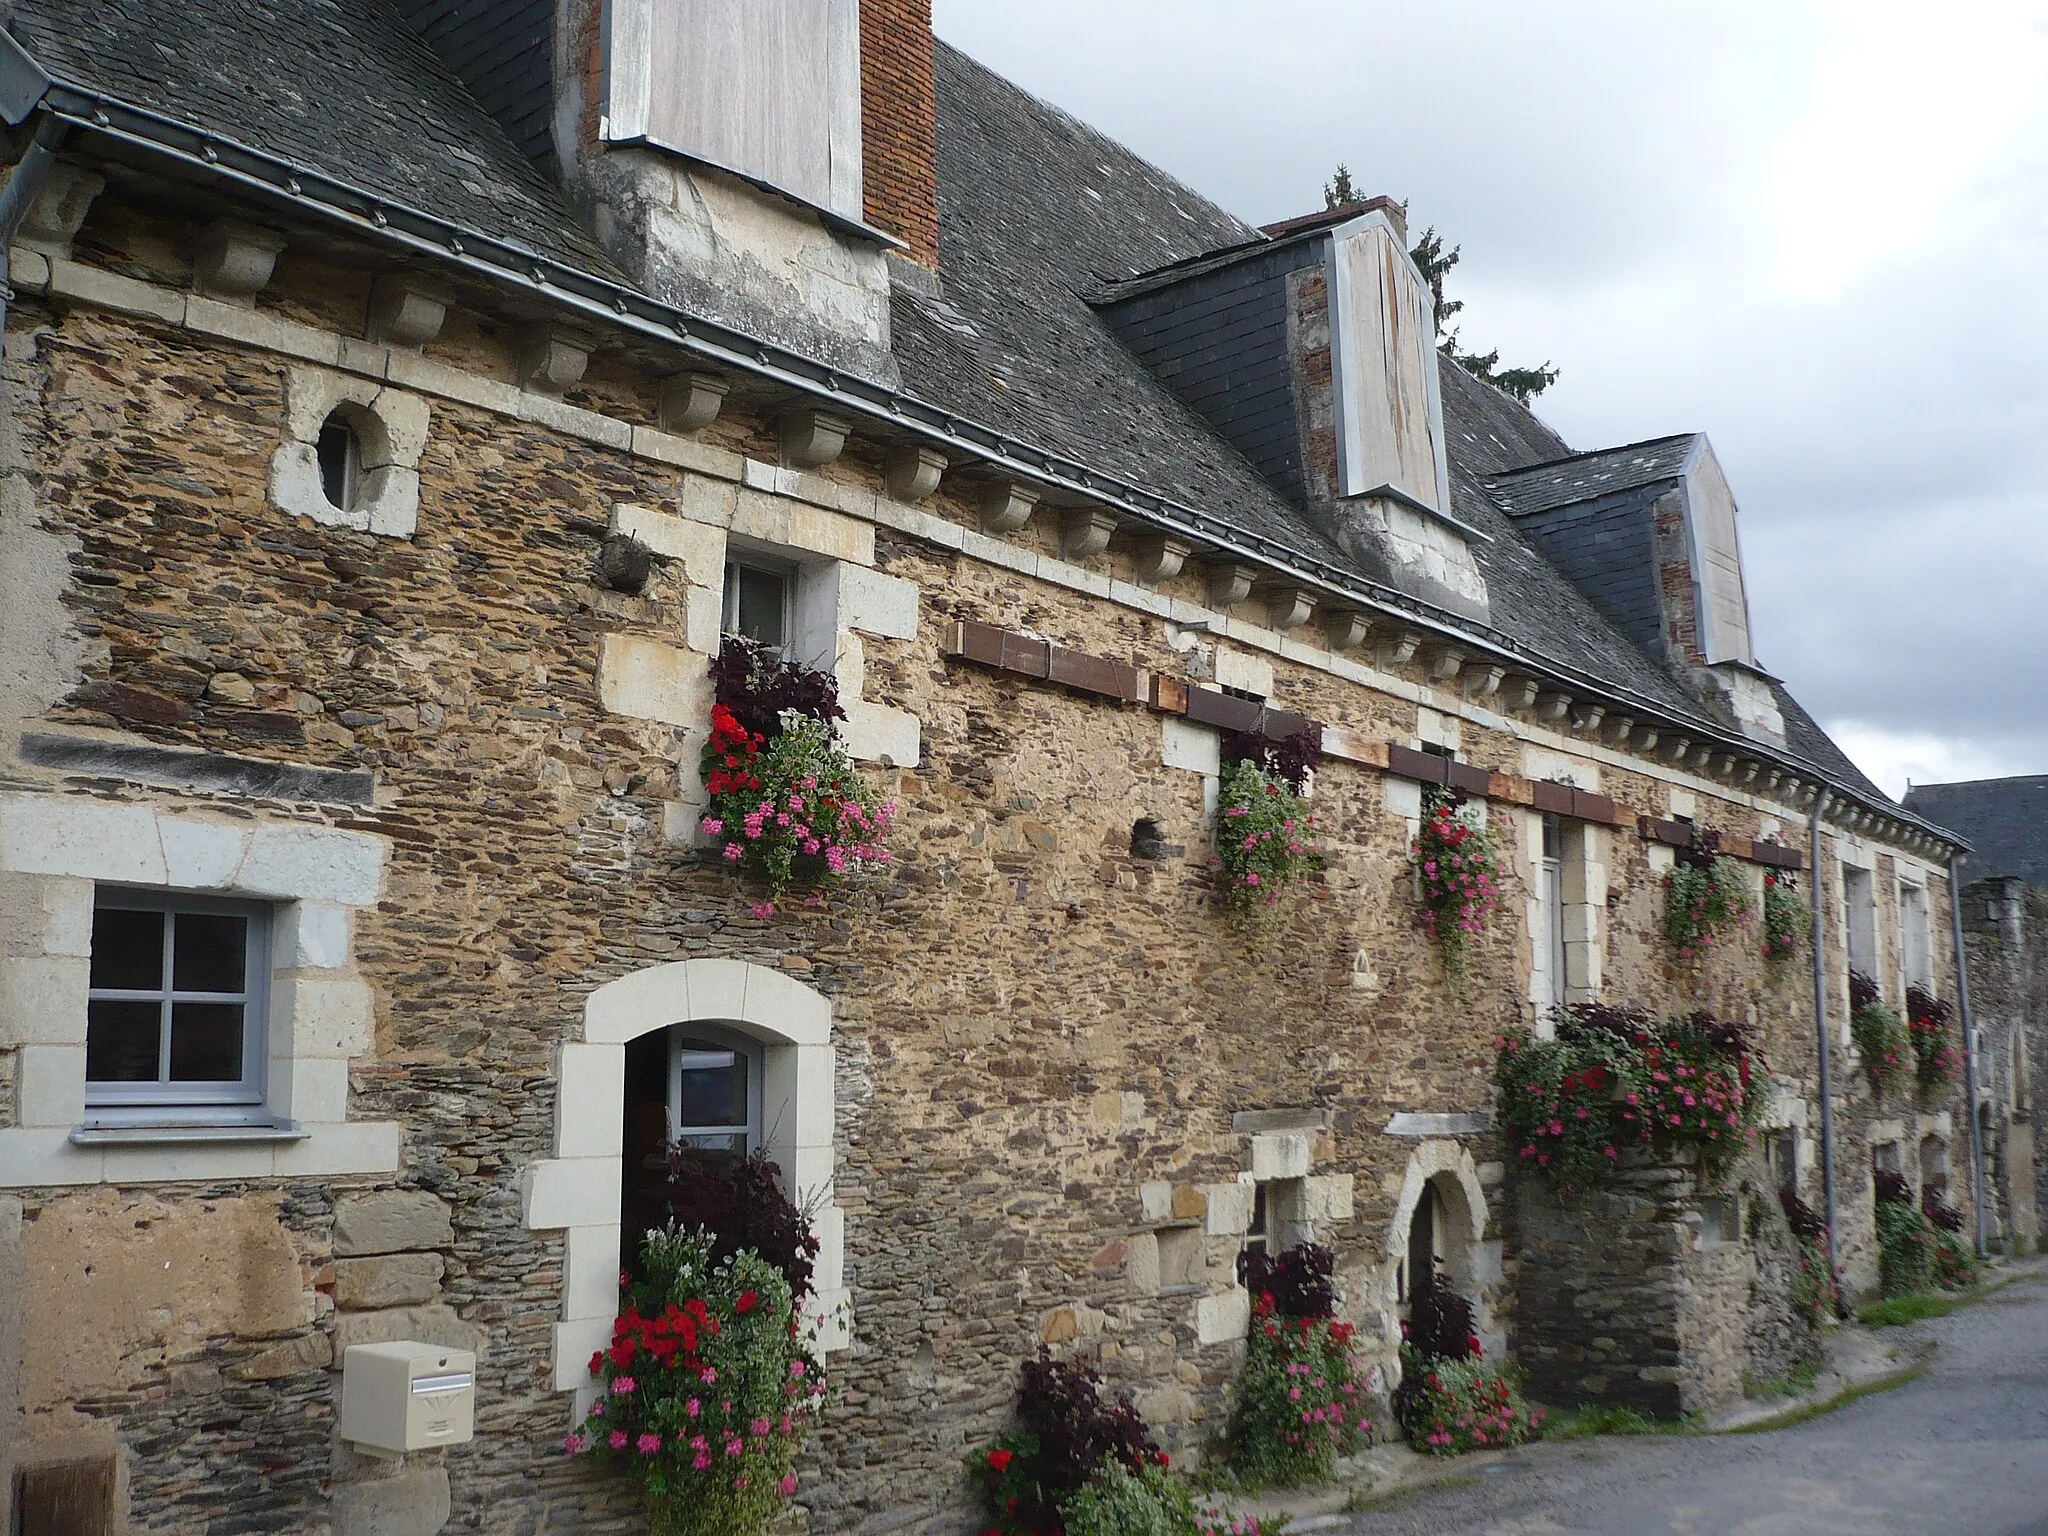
<point>1031,1025</point>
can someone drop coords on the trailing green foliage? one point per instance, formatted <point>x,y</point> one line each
<point>1616,1077</point>
<point>1458,873</point>
<point>1300,1401</point>
<point>1881,1039</point>
<point>1787,919</point>
<point>1703,899</point>
<point>1265,836</point>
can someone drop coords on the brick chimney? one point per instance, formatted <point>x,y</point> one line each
<point>899,124</point>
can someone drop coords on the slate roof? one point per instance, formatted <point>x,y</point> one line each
<point>2005,820</point>
<point>337,86</point>
<point>1038,213</point>
<point>1582,476</point>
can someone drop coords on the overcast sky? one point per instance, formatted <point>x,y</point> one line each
<point>1816,231</point>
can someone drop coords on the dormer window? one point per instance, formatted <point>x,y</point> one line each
<point>769,90</point>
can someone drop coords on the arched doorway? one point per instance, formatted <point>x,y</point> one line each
<point>746,1046</point>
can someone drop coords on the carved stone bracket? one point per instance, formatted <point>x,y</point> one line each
<point>912,472</point>
<point>1007,505</point>
<point>234,260</point>
<point>1289,607</point>
<point>1085,531</point>
<point>811,438</point>
<point>690,402</point>
<point>1230,583</point>
<point>551,359</point>
<point>407,308</point>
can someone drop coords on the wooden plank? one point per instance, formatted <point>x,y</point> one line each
<point>1408,763</point>
<point>1227,712</point>
<point>1348,745</point>
<point>1555,799</point>
<point>1510,787</point>
<point>1022,654</point>
<point>1095,674</point>
<point>1735,846</point>
<point>1169,694</point>
<point>66,1498</point>
<point>1468,778</point>
<point>1587,806</point>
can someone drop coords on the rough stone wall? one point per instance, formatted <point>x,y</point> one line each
<point>1043,1042</point>
<point>1626,1297</point>
<point>2005,934</point>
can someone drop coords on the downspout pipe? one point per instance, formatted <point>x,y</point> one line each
<point>1820,1026</point>
<point>30,172</point>
<point>1955,912</point>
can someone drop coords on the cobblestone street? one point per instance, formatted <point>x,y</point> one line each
<point>1963,1448</point>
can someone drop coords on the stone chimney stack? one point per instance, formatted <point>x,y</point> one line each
<point>899,124</point>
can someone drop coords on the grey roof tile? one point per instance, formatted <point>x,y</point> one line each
<point>2005,821</point>
<point>1582,476</point>
<point>342,87</point>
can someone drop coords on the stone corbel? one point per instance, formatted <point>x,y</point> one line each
<point>1586,721</point>
<point>234,260</point>
<point>1703,756</point>
<point>1643,738</point>
<point>407,308</point>
<point>1519,691</point>
<point>1289,607</point>
<point>912,471</point>
<point>1443,663</point>
<point>551,360</point>
<point>1724,765</point>
<point>811,438</point>
<point>690,402</point>
<point>1159,559</point>
<point>1007,505</point>
<point>1773,779</point>
<point>1675,749</point>
<point>1346,629</point>
<point>1085,531</point>
<point>1620,728</point>
<point>56,212</point>
<point>1230,583</point>
<point>1483,682</point>
<point>1552,705</point>
<point>1399,648</point>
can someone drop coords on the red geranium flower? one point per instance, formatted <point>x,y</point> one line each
<point>999,1460</point>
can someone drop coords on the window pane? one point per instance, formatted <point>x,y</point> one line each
<point>206,1042</point>
<point>714,1088</point>
<point>128,951</point>
<point>734,1147</point>
<point>757,604</point>
<point>207,951</point>
<point>121,1041</point>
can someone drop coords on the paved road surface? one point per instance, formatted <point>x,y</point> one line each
<point>1962,1450</point>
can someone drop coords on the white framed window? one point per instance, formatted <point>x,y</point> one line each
<point>758,602</point>
<point>339,450</point>
<point>1916,949</point>
<point>1549,937</point>
<point>714,1090</point>
<point>175,1009</point>
<point>1859,898</point>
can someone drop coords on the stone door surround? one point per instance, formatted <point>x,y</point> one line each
<point>577,1191</point>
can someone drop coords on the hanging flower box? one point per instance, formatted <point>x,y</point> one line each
<point>787,805</point>
<point>1457,878</point>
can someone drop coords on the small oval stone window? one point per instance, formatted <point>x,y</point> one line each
<point>340,452</point>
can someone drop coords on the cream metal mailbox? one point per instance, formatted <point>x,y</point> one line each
<point>407,1396</point>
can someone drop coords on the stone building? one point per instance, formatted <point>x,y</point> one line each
<point>399,406</point>
<point>2005,940</point>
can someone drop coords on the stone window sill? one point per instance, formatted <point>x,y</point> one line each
<point>158,1135</point>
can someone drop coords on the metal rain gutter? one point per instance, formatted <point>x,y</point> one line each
<point>617,305</point>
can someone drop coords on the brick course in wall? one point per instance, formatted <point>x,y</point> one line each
<point>899,124</point>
